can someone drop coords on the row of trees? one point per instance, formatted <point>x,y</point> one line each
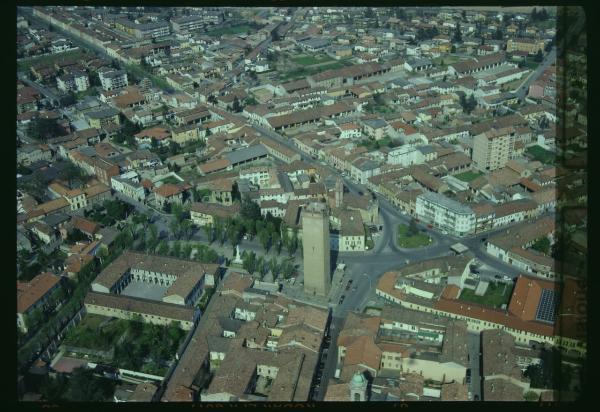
<point>261,265</point>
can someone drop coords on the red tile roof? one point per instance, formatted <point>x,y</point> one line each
<point>28,293</point>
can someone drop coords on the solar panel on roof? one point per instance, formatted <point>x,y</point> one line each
<point>546,307</point>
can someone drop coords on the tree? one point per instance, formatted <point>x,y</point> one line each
<point>85,387</point>
<point>250,210</point>
<point>274,266</point>
<point>42,129</point>
<point>53,389</point>
<point>453,49</point>
<point>163,248</point>
<point>237,107</point>
<point>369,14</point>
<point>208,231</point>
<point>287,269</point>
<point>539,56</point>
<point>249,261</point>
<point>498,35</point>
<point>457,34</point>
<point>412,228</point>
<point>265,238</point>
<point>176,249</point>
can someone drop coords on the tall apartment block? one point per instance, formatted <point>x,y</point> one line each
<point>316,249</point>
<point>492,149</point>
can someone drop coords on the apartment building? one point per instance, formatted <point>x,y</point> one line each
<point>113,79</point>
<point>445,213</point>
<point>492,149</point>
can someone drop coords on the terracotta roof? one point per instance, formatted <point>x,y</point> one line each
<point>86,226</point>
<point>214,165</point>
<point>168,190</point>
<point>28,293</point>
<point>526,297</point>
<point>363,351</point>
<point>451,292</point>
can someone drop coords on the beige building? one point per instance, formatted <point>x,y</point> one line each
<point>525,45</point>
<point>492,149</point>
<point>316,249</point>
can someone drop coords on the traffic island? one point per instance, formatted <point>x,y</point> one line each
<point>408,238</point>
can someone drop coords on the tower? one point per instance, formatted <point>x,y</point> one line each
<point>339,192</point>
<point>316,249</point>
<point>358,387</point>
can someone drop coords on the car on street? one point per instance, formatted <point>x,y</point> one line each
<point>342,299</point>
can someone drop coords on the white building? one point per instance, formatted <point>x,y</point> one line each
<point>76,81</point>
<point>113,79</point>
<point>129,185</point>
<point>405,156</point>
<point>445,213</point>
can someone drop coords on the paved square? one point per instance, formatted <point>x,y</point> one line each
<point>145,290</point>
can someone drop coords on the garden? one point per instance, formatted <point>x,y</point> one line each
<point>409,237</point>
<point>496,295</point>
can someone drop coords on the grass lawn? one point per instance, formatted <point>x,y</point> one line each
<point>242,28</point>
<point>468,176</point>
<point>171,179</point>
<point>88,333</point>
<point>496,295</point>
<point>541,154</point>
<point>306,60</point>
<point>446,60</point>
<point>411,242</point>
<point>26,63</point>
<point>303,72</point>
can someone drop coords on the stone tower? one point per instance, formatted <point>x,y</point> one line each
<point>316,249</point>
<point>358,388</point>
<point>339,192</point>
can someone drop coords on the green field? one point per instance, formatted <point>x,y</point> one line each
<point>541,154</point>
<point>496,295</point>
<point>468,176</point>
<point>26,63</point>
<point>89,334</point>
<point>306,60</point>
<point>411,242</point>
<point>446,60</point>
<point>307,71</point>
<point>242,28</point>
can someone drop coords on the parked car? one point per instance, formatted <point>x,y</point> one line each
<point>342,299</point>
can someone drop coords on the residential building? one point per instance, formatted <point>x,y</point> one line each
<point>492,149</point>
<point>445,213</point>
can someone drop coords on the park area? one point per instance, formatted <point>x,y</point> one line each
<point>50,59</point>
<point>540,154</point>
<point>409,237</point>
<point>496,295</point>
<point>468,176</point>
<point>306,60</point>
<point>132,344</point>
<point>242,28</point>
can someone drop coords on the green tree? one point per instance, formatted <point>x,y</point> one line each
<point>274,267</point>
<point>539,56</point>
<point>85,387</point>
<point>54,389</point>
<point>176,249</point>
<point>208,231</point>
<point>249,261</point>
<point>42,129</point>
<point>265,238</point>
<point>163,248</point>
<point>457,34</point>
<point>250,210</point>
<point>412,228</point>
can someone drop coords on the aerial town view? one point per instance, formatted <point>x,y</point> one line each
<point>301,204</point>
